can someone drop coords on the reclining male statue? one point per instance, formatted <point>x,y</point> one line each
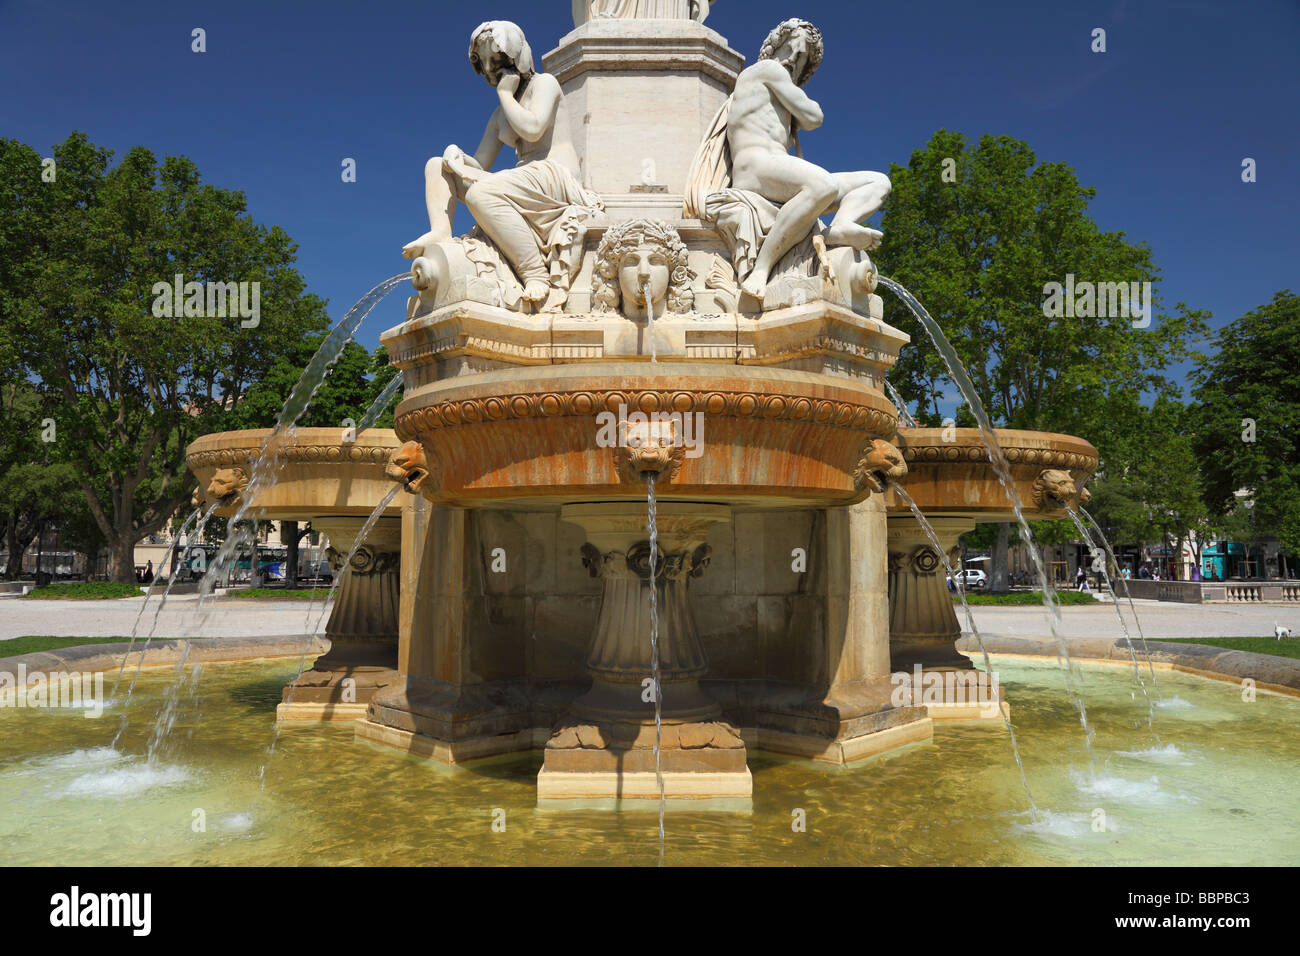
<point>763,200</point>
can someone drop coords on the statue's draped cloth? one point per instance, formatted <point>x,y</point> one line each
<point>639,9</point>
<point>538,210</point>
<point>743,218</point>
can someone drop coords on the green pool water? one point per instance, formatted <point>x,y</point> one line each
<point>1219,789</point>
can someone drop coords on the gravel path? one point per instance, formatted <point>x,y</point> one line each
<point>1159,620</point>
<point>233,617</point>
<point>230,617</point>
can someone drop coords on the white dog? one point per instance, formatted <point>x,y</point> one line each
<point>1280,632</point>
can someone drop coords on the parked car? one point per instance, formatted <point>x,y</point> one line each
<point>973,579</point>
<point>316,571</point>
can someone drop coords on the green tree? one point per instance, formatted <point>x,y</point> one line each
<point>79,259</point>
<point>1248,423</point>
<point>976,232</point>
<point>978,251</point>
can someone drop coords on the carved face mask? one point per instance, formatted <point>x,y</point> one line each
<point>642,267</point>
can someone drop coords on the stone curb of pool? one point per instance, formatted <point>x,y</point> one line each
<point>1278,674</point>
<point>91,658</point>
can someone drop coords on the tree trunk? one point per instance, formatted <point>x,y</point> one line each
<point>14,560</point>
<point>999,583</point>
<point>121,560</point>
<point>290,537</point>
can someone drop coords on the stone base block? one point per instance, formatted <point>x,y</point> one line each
<point>842,750</point>
<point>644,786</point>
<point>954,693</point>
<point>953,711</point>
<point>321,712</point>
<point>339,685</point>
<point>449,751</point>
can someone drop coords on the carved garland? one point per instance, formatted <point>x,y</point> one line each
<point>588,403</point>
<point>1045,457</point>
<point>636,562</point>
<point>343,454</point>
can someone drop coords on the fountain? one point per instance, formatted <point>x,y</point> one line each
<point>334,478</point>
<point>651,526</point>
<point>952,480</point>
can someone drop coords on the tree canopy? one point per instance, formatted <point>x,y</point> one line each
<point>1247,417</point>
<point>82,246</point>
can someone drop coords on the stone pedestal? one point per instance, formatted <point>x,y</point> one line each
<point>604,746</point>
<point>362,627</point>
<point>924,628</point>
<point>636,139</point>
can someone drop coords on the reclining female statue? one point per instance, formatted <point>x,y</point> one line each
<point>534,212</point>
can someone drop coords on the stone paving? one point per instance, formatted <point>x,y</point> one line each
<point>243,618</point>
<point>230,617</point>
<point>1159,620</point>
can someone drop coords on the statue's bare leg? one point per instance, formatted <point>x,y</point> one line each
<point>440,198</point>
<point>805,192</point>
<point>512,235</point>
<point>861,194</point>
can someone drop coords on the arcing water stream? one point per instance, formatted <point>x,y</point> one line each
<point>311,636</point>
<point>266,465</point>
<point>1128,640</point>
<point>957,372</point>
<point>1127,594</point>
<point>652,529</point>
<point>975,631</point>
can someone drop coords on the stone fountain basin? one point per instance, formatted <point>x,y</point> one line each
<point>322,475</point>
<point>530,437</point>
<point>949,471</point>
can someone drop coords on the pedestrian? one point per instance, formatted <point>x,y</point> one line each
<point>1081,580</point>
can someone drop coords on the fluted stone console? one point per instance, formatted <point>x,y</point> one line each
<point>924,628</point>
<point>604,745</point>
<point>362,627</point>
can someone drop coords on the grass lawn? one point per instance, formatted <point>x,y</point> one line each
<point>279,594</point>
<point>30,645</point>
<point>1028,598</point>
<point>1287,647</point>
<point>84,591</point>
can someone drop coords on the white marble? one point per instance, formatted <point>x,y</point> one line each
<point>744,179</point>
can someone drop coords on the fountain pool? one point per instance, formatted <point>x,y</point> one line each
<point>1217,792</point>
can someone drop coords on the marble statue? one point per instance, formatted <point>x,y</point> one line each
<point>763,200</point>
<point>534,213</point>
<point>641,263</point>
<point>584,10</point>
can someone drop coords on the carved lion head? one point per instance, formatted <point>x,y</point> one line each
<point>1054,488</point>
<point>649,447</point>
<point>409,466</point>
<point>879,464</point>
<point>227,484</point>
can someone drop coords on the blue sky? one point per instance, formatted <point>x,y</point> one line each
<point>1159,123</point>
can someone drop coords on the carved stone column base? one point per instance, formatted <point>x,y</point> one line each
<point>362,627</point>
<point>605,745</point>
<point>923,625</point>
<point>857,721</point>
